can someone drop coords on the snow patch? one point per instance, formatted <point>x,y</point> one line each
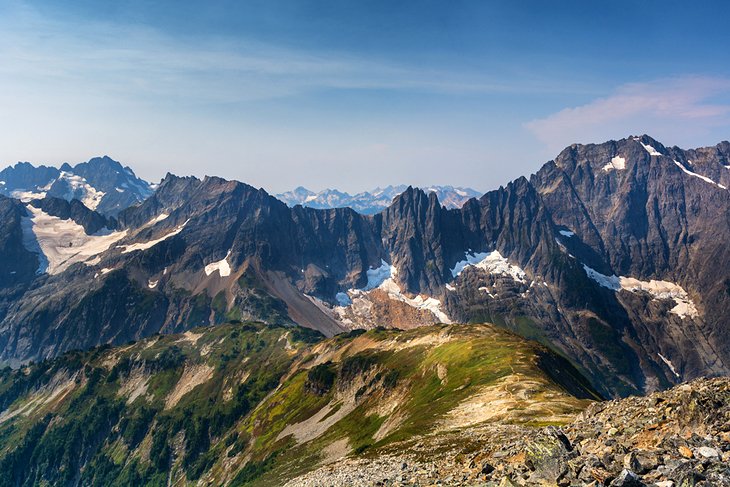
<point>450,287</point>
<point>492,263</point>
<point>105,270</point>
<point>383,278</point>
<point>61,243</point>
<point>91,196</point>
<point>486,290</point>
<point>27,196</point>
<point>222,266</point>
<point>146,245</point>
<point>669,364</point>
<point>152,284</point>
<point>419,302</point>
<point>683,308</point>
<point>470,259</point>
<point>610,282</point>
<point>618,163</point>
<point>343,299</point>
<point>157,219</point>
<point>566,233</point>
<point>651,150</point>
<point>376,276</point>
<point>704,178</point>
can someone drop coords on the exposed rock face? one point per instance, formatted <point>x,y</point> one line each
<point>650,220</point>
<point>609,253</point>
<point>17,263</point>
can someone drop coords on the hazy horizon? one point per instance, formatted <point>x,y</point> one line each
<point>284,94</point>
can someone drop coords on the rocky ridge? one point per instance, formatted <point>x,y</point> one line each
<point>254,404</point>
<point>607,254</point>
<point>679,437</point>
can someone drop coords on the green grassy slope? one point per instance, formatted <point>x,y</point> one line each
<point>242,404</point>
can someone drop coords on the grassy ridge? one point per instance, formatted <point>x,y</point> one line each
<point>243,404</point>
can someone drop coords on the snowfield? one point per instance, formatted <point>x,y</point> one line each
<point>222,266</point>
<point>617,163</point>
<point>146,245</point>
<point>383,278</point>
<point>27,196</point>
<point>378,275</point>
<point>61,243</point>
<point>91,196</point>
<point>492,263</point>
<point>683,308</point>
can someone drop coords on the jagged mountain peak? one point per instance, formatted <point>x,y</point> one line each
<point>546,255</point>
<point>642,158</point>
<point>101,183</point>
<point>413,200</point>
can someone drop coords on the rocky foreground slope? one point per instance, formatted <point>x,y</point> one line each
<point>680,437</point>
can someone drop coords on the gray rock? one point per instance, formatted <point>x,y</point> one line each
<point>626,478</point>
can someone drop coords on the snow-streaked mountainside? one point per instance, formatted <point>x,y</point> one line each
<point>465,334</point>
<point>375,201</point>
<point>614,254</point>
<point>101,184</point>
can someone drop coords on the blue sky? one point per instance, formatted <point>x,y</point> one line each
<point>355,94</point>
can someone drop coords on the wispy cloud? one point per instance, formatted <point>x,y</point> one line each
<point>677,109</point>
<point>40,53</point>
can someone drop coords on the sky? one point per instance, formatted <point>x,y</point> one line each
<point>354,95</point>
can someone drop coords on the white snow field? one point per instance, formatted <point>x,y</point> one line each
<point>683,308</point>
<point>61,243</point>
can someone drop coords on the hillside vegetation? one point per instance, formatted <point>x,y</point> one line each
<point>241,404</point>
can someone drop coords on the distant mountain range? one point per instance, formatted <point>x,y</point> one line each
<point>102,184</point>
<point>612,254</point>
<point>372,202</point>
<point>107,187</point>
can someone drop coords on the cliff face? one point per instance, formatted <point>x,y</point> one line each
<point>613,254</point>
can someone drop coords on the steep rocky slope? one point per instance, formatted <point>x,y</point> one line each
<point>677,438</point>
<point>608,254</point>
<point>242,404</point>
